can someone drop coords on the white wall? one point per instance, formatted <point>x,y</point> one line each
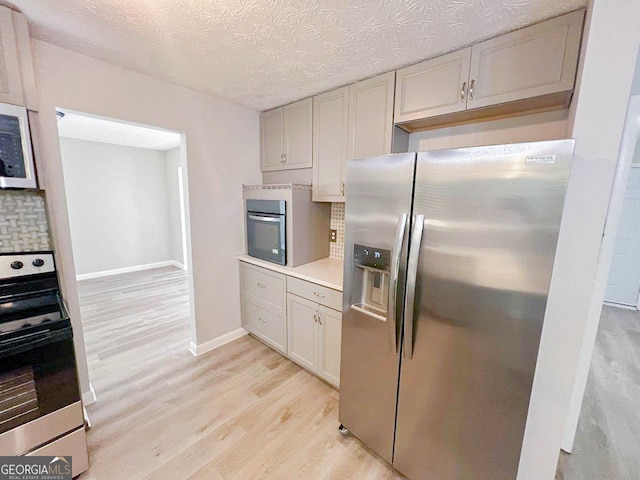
<point>222,152</point>
<point>596,122</point>
<point>172,172</point>
<point>119,205</point>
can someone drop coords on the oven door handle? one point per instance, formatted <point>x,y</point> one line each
<point>30,342</point>
<point>260,218</point>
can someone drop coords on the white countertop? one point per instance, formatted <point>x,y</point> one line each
<point>326,272</point>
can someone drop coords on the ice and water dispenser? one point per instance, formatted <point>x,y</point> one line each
<point>370,294</point>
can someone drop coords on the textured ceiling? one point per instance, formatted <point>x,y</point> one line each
<point>262,53</point>
<point>103,130</point>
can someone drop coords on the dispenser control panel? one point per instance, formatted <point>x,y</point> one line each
<point>372,257</point>
<point>371,280</point>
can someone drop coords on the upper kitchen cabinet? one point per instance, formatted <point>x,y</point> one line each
<point>435,87</point>
<point>538,60</point>
<point>371,116</point>
<point>286,136</point>
<point>351,122</point>
<point>17,84</point>
<point>526,70</point>
<point>330,144</point>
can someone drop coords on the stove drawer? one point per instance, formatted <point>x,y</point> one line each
<point>72,445</point>
<point>265,325</point>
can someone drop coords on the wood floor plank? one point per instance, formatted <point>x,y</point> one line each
<point>244,411</point>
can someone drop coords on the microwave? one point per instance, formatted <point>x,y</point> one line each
<point>16,158</point>
<point>267,230</point>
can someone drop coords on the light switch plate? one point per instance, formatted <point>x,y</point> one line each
<point>333,235</point>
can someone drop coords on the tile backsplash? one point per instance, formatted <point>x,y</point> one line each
<point>23,222</point>
<point>337,223</point>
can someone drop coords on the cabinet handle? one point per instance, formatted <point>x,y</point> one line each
<point>319,295</point>
<point>284,158</point>
<point>473,82</point>
<point>261,285</point>
<point>319,318</point>
<point>342,189</point>
<point>463,91</point>
<point>315,317</point>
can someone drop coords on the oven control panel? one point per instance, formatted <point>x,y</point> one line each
<point>23,264</point>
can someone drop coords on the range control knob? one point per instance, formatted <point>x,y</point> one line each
<point>38,262</point>
<point>17,265</point>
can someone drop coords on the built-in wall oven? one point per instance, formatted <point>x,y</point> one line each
<point>40,407</point>
<point>266,230</point>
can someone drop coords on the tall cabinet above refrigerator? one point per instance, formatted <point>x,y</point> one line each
<point>448,260</point>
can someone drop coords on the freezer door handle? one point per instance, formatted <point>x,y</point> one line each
<point>412,273</point>
<point>395,271</point>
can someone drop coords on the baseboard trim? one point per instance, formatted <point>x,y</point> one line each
<point>89,397</point>
<point>197,350</point>
<point>620,305</point>
<point>135,268</point>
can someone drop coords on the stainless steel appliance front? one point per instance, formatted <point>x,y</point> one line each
<point>377,209</point>
<point>16,157</point>
<point>267,230</point>
<point>485,224</point>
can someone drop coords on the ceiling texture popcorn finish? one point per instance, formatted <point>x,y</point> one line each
<point>263,53</point>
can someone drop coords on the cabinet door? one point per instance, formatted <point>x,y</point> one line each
<point>371,116</point>
<point>23,48</point>
<point>302,332</point>
<point>298,118</point>
<point>272,139</point>
<point>10,84</point>
<point>330,145</point>
<point>330,335</point>
<point>435,87</point>
<point>537,60</point>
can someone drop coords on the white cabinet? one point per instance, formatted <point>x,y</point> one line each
<point>298,318</point>
<point>330,144</point>
<point>435,87</point>
<point>272,139</point>
<point>351,122</point>
<point>286,136</point>
<point>314,336</point>
<point>527,69</point>
<point>302,331</point>
<point>371,116</point>
<point>17,81</point>
<point>263,299</point>
<point>535,61</point>
<point>330,335</point>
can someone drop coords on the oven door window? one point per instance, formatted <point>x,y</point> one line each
<point>266,237</point>
<point>38,378</point>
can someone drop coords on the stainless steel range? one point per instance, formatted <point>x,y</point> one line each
<point>40,407</point>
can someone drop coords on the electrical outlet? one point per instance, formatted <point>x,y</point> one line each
<point>333,236</point>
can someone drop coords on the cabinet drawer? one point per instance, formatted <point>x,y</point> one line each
<point>265,325</point>
<point>317,293</point>
<point>263,284</point>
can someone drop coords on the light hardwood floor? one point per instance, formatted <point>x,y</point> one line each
<point>246,412</point>
<point>242,411</point>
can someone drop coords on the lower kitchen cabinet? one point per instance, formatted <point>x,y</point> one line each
<point>298,318</point>
<point>314,333</point>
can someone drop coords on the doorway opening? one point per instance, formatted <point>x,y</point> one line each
<point>128,216</point>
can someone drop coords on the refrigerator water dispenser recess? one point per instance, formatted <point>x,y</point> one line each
<point>370,294</point>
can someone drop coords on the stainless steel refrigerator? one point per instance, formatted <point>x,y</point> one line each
<point>448,260</point>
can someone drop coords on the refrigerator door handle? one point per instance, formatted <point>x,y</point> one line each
<point>395,272</point>
<point>412,273</point>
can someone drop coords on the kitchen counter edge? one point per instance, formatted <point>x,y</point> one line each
<point>326,271</point>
